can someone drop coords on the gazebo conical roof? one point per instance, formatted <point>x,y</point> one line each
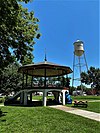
<point>45,68</point>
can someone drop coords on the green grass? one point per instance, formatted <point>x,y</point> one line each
<point>92,106</point>
<point>44,120</point>
<point>1,103</point>
<point>88,98</point>
<point>41,97</point>
<point>37,97</point>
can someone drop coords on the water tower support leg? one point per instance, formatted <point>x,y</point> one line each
<point>73,71</point>
<point>85,61</point>
<point>80,74</point>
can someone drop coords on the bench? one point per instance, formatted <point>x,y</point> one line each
<point>80,104</point>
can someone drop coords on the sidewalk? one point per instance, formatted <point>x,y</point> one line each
<point>84,113</point>
<point>1,104</point>
<point>94,101</point>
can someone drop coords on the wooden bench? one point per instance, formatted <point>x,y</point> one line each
<point>80,104</point>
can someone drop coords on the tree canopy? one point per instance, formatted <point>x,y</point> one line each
<point>18,28</point>
<point>10,79</point>
<point>92,77</point>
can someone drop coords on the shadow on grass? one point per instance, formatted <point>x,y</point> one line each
<point>2,114</point>
<point>79,107</point>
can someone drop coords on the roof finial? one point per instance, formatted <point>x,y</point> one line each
<point>45,56</point>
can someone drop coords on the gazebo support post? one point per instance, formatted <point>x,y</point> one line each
<point>30,97</point>
<point>26,77</point>
<point>21,97</point>
<point>44,97</point>
<point>31,81</point>
<point>59,97</point>
<point>63,80</point>
<point>23,80</point>
<point>25,98</point>
<point>63,92</point>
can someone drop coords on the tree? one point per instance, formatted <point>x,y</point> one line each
<point>71,89</point>
<point>11,80</point>
<point>83,87</point>
<point>18,28</point>
<point>27,60</point>
<point>92,77</point>
<point>68,82</point>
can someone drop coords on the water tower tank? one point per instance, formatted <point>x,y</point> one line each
<point>78,48</point>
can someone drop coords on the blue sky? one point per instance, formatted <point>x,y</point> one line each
<point>62,22</point>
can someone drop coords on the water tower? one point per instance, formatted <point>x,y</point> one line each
<point>79,63</point>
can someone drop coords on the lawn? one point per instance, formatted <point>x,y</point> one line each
<point>41,97</point>
<point>44,120</point>
<point>92,106</point>
<point>87,98</point>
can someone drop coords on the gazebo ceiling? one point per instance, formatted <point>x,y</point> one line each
<point>45,68</point>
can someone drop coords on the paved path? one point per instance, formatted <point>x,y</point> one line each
<point>94,101</point>
<point>2,105</point>
<point>84,113</point>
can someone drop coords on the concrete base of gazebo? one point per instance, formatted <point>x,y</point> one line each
<point>27,93</point>
<point>24,95</point>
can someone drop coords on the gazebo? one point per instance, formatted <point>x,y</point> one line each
<point>44,70</point>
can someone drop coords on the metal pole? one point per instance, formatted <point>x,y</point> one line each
<point>45,78</point>
<point>85,61</point>
<point>73,71</point>
<point>80,73</point>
